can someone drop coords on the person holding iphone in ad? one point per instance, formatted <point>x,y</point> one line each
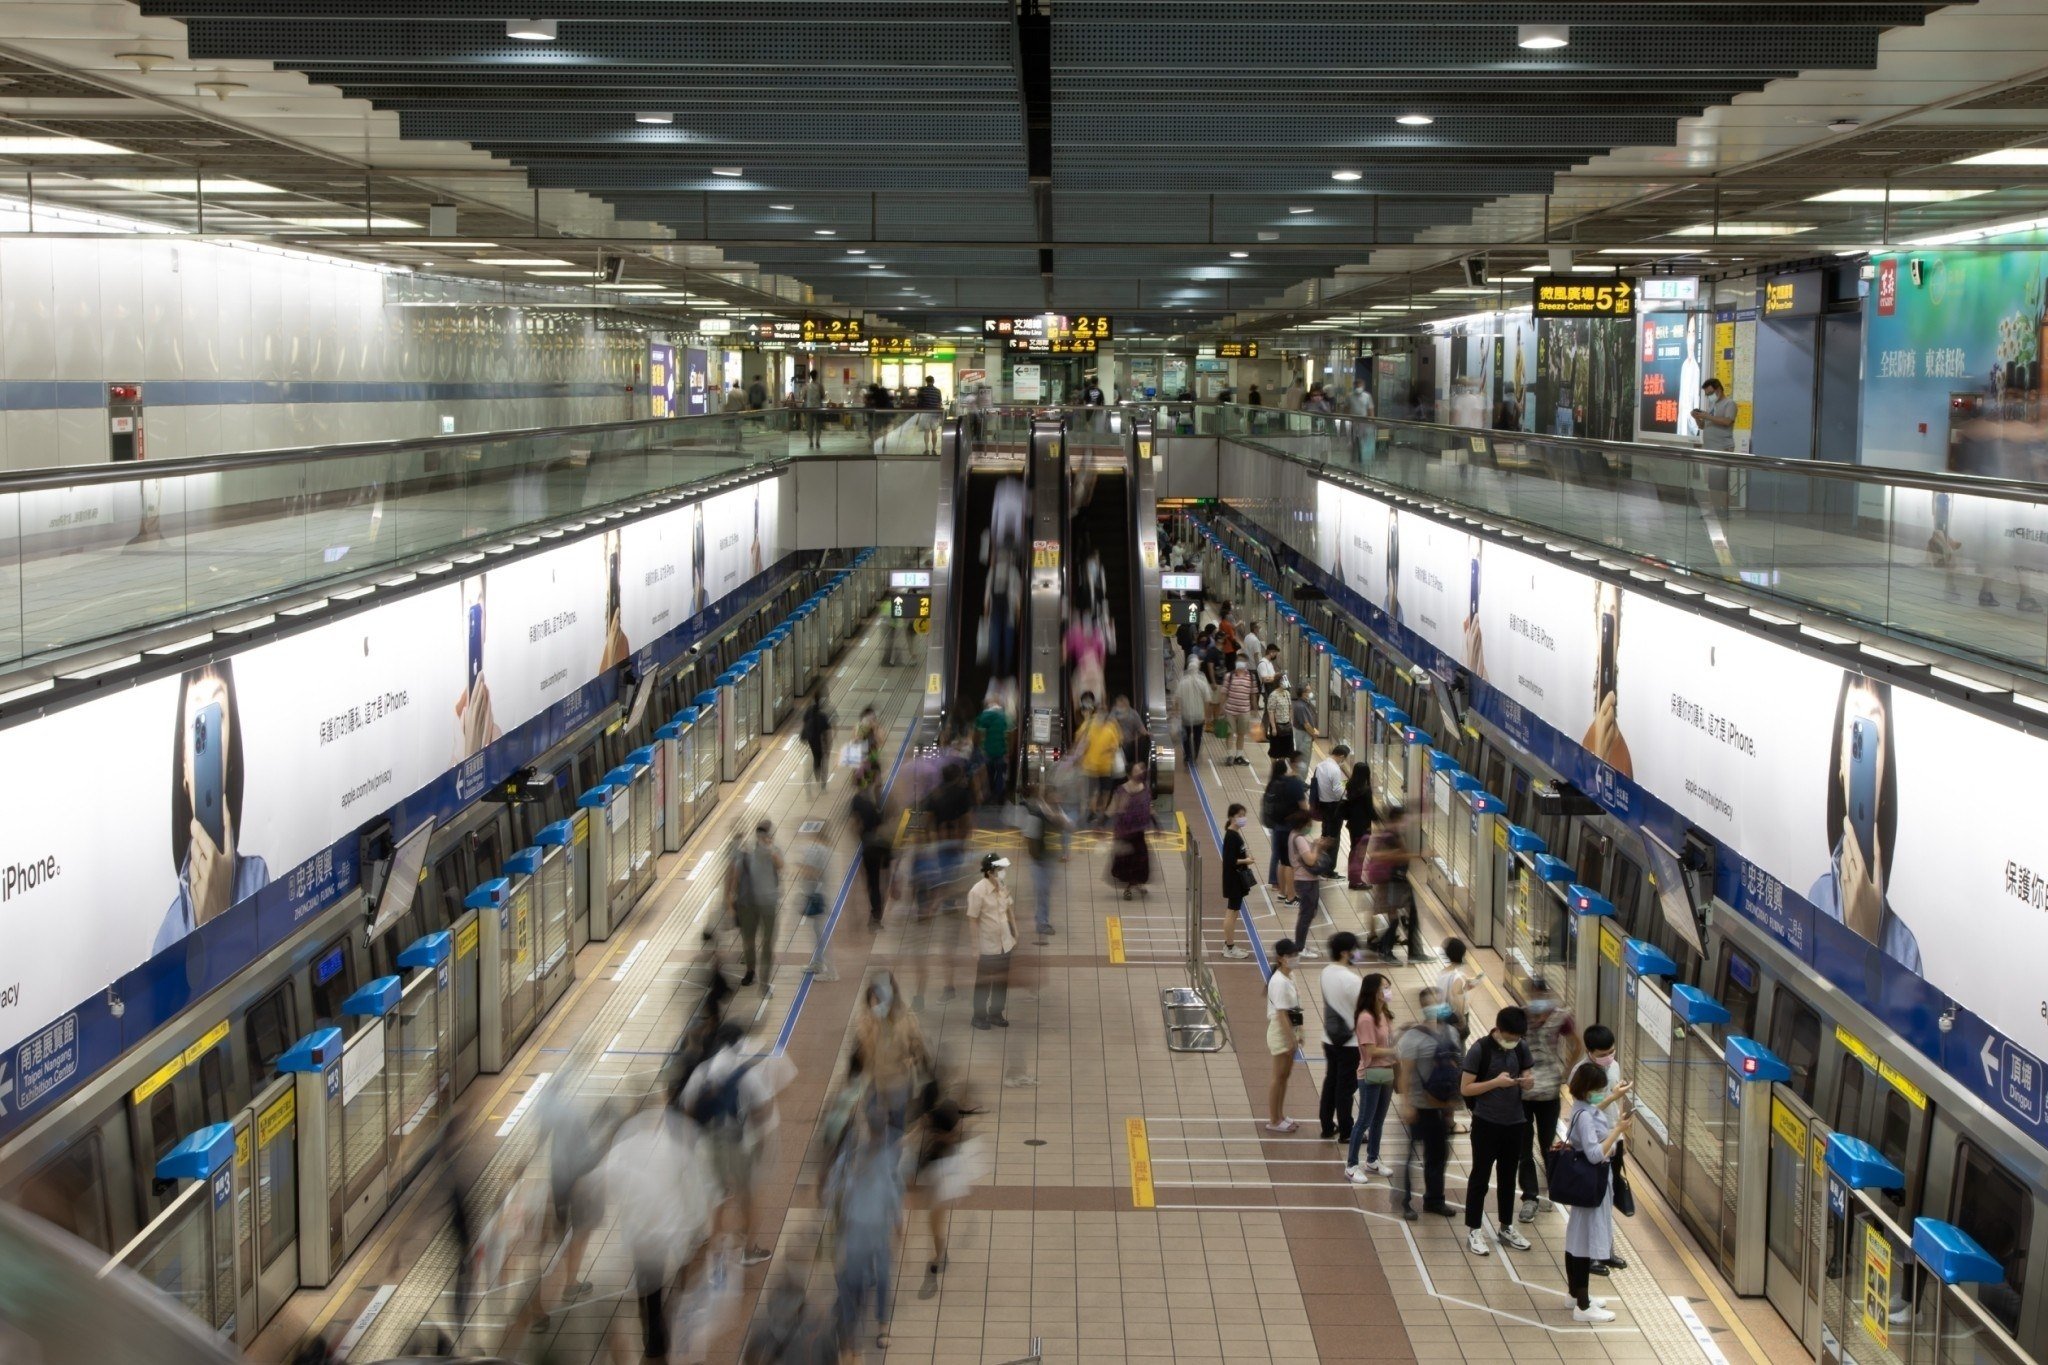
<point>1862,821</point>
<point>1603,737</point>
<point>206,806</point>
<point>475,724</point>
<point>617,648</point>
<point>1475,638</point>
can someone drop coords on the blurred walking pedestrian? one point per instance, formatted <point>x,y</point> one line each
<point>865,1195</point>
<point>1130,865</point>
<point>756,881</point>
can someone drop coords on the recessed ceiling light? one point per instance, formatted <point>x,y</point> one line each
<point>1898,196</point>
<point>1415,120</point>
<point>446,242</point>
<point>2011,156</point>
<point>58,146</point>
<point>1744,230</point>
<point>728,171</point>
<point>200,141</point>
<point>856,251</point>
<point>185,185</point>
<point>1542,37</point>
<point>877,265</point>
<point>783,208</point>
<point>1346,175</point>
<point>531,30</point>
<point>350,221</point>
<point>654,116</point>
<point>824,232</point>
<point>1648,251</point>
<point>1239,255</point>
<point>519,260</point>
<point>1301,208</point>
<point>566,274</point>
<point>1269,236</point>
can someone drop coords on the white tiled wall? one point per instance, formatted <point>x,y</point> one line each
<point>126,309</point>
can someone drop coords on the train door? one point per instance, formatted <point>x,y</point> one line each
<point>1795,1194</point>
<point>272,1246</point>
<point>1876,1103</point>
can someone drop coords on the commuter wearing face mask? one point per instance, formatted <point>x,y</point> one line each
<point>1339,986</point>
<point>995,927</point>
<point>1239,876</point>
<point>1373,1036</point>
<point>1426,1086</point>
<point>891,1048</point>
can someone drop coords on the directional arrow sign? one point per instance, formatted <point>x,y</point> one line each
<point>1989,1057</point>
<point>6,1089</point>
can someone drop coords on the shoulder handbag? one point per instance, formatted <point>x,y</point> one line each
<point>1624,1193</point>
<point>1575,1180</point>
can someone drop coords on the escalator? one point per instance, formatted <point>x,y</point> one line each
<point>992,558</point>
<point>1099,583</point>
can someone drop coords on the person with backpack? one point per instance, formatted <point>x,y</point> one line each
<point>1285,794</point>
<point>1499,1074</point>
<point>817,734</point>
<point>731,1099</point>
<point>755,880</point>
<point>1427,1071</point>
<point>1340,985</point>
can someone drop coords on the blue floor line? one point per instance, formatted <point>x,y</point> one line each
<point>1244,916</point>
<point>803,991</point>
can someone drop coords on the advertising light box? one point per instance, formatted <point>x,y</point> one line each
<point>280,751</point>
<point>1828,784</point>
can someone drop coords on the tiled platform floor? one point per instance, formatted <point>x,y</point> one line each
<point>1256,1249</point>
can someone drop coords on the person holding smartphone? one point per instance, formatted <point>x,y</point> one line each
<point>1283,1033</point>
<point>206,806</point>
<point>475,724</point>
<point>1862,821</point>
<point>1603,737</point>
<point>617,648</point>
<point>1475,637</point>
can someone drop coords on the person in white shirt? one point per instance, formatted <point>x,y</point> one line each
<point>1269,669</point>
<point>1339,984</point>
<point>1283,1033</point>
<point>1193,696</point>
<point>1326,792</point>
<point>1250,643</point>
<point>994,924</point>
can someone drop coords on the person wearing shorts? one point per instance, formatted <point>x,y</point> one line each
<point>1283,1033</point>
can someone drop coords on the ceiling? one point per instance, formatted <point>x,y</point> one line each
<point>929,161</point>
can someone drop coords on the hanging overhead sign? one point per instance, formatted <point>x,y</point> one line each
<point>1096,327</point>
<point>1584,298</point>
<point>829,331</point>
<point>1237,350</point>
<point>1668,289</point>
<point>1793,296</point>
<point>895,346</point>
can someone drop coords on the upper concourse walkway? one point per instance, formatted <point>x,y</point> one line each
<point>1953,561</point>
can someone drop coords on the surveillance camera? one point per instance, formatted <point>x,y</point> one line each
<point>1947,1020</point>
<point>1917,269</point>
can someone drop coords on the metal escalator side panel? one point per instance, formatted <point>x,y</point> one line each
<point>945,540</point>
<point>1147,650</point>
<point>1044,712</point>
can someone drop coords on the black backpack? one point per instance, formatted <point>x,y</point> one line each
<point>1487,1048</point>
<point>1442,1080</point>
<point>718,1105</point>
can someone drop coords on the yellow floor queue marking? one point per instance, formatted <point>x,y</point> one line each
<point>1141,1163</point>
<point>1116,938</point>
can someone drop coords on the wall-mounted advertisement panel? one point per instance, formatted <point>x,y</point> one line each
<point>1831,791</point>
<point>1672,363</point>
<point>242,776</point>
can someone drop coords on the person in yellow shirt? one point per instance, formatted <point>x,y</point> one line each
<point>1101,743</point>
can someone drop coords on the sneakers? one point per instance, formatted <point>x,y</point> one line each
<point>1236,953</point>
<point>1442,1210</point>
<point>1283,1126</point>
<point>1378,1168</point>
<point>755,1255</point>
<point>1408,1212</point>
<point>1357,1175</point>
<point>1527,1213</point>
<point>1509,1236</point>
<point>1476,1240</point>
<point>1593,1313</point>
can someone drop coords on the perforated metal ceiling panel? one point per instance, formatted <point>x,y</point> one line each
<point>1079,152</point>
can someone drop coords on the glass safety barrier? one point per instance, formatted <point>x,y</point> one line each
<point>1956,559</point>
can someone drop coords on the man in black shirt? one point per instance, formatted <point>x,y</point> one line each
<point>1498,1075</point>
